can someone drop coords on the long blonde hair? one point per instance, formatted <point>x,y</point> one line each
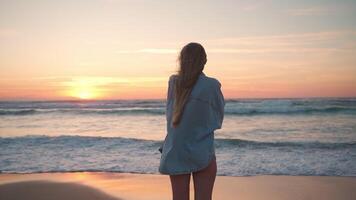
<point>192,59</point>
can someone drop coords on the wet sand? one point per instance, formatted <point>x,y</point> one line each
<point>110,186</point>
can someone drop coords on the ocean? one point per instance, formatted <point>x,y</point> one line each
<point>314,136</point>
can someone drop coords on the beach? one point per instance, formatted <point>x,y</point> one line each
<point>88,91</point>
<point>128,186</point>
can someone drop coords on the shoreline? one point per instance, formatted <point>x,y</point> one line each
<point>135,186</point>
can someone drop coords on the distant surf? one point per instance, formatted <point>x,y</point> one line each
<point>157,107</point>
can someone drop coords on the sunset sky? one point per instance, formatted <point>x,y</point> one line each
<point>126,49</point>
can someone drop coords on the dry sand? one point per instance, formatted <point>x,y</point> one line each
<point>110,186</point>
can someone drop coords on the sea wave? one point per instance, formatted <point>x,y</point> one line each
<point>17,111</point>
<point>236,157</point>
<point>84,111</point>
<point>291,144</point>
<point>220,142</point>
<point>243,111</point>
<point>237,107</point>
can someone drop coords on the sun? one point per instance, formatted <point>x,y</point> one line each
<point>83,88</point>
<point>85,94</point>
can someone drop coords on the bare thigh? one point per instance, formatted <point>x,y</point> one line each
<point>204,182</point>
<point>180,186</point>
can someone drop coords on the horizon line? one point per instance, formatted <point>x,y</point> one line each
<point>160,99</point>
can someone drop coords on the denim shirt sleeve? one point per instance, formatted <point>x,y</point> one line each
<point>218,104</point>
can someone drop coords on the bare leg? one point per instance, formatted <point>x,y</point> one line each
<point>180,186</point>
<point>204,182</point>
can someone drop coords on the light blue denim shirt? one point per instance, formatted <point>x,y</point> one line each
<point>190,146</point>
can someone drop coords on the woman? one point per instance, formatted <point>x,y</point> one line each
<point>195,108</point>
